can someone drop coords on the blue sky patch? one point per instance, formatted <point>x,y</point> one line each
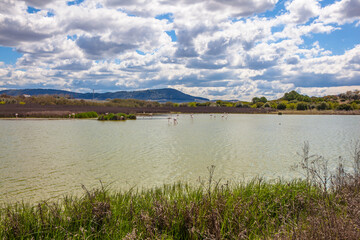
<point>140,52</point>
<point>72,37</point>
<point>172,34</point>
<point>337,41</point>
<point>76,2</point>
<point>9,55</point>
<point>32,10</point>
<point>167,16</point>
<point>50,14</point>
<point>324,3</point>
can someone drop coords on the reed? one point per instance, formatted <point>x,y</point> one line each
<point>256,210</point>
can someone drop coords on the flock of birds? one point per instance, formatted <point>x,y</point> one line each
<point>174,120</point>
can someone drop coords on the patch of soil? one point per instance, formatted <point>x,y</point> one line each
<point>34,110</point>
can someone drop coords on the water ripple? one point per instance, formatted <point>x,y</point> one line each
<point>46,159</point>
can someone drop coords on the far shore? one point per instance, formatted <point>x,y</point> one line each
<point>62,111</point>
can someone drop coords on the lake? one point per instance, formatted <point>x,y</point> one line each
<point>46,159</point>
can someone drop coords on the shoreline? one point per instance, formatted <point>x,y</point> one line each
<point>8,111</point>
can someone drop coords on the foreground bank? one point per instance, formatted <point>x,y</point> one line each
<point>214,210</point>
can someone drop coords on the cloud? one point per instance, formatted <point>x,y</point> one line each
<point>223,49</point>
<point>344,11</point>
<point>293,60</point>
<point>74,66</point>
<point>95,48</point>
<point>14,31</point>
<point>235,8</point>
<point>38,3</point>
<point>300,11</point>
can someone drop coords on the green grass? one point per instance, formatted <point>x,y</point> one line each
<point>86,115</point>
<point>255,210</point>
<point>117,116</point>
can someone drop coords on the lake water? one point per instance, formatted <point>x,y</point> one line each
<point>45,159</point>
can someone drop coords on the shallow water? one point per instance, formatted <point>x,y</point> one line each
<point>45,159</point>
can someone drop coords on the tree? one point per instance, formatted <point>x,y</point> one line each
<point>263,99</point>
<point>255,100</point>
<point>293,95</point>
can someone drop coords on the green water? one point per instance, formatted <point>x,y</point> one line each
<point>45,159</point>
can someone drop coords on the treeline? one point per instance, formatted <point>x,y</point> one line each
<point>295,101</point>
<point>290,101</point>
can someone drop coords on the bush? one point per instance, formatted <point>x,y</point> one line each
<point>266,105</point>
<point>301,106</point>
<point>345,107</point>
<point>259,104</point>
<point>86,115</point>
<point>354,105</point>
<point>281,106</point>
<point>322,106</point>
<point>192,104</point>
<point>116,117</point>
<point>291,106</point>
<point>239,105</point>
<point>204,104</point>
<point>131,116</point>
<point>273,105</point>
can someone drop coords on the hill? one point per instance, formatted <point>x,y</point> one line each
<point>159,95</point>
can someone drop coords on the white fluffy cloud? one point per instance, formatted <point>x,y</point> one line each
<point>217,49</point>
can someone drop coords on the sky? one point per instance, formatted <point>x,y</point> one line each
<point>233,49</point>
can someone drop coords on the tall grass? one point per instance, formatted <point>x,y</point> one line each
<point>259,209</point>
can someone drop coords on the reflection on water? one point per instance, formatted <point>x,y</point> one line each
<point>41,159</point>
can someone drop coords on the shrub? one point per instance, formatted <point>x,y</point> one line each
<point>266,105</point>
<point>345,107</point>
<point>273,105</point>
<point>291,106</point>
<point>2,102</point>
<point>281,106</point>
<point>354,105</point>
<point>322,106</point>
<point>86,115</point>
<point>131,116</point>
<point>192,104</point>
<point>204,104</point>
<point>239,105</point>
<point>259,104</point>
<point>301,106</point>
<point>117,117</point>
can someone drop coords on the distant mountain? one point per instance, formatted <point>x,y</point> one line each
<point>159,95</point>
